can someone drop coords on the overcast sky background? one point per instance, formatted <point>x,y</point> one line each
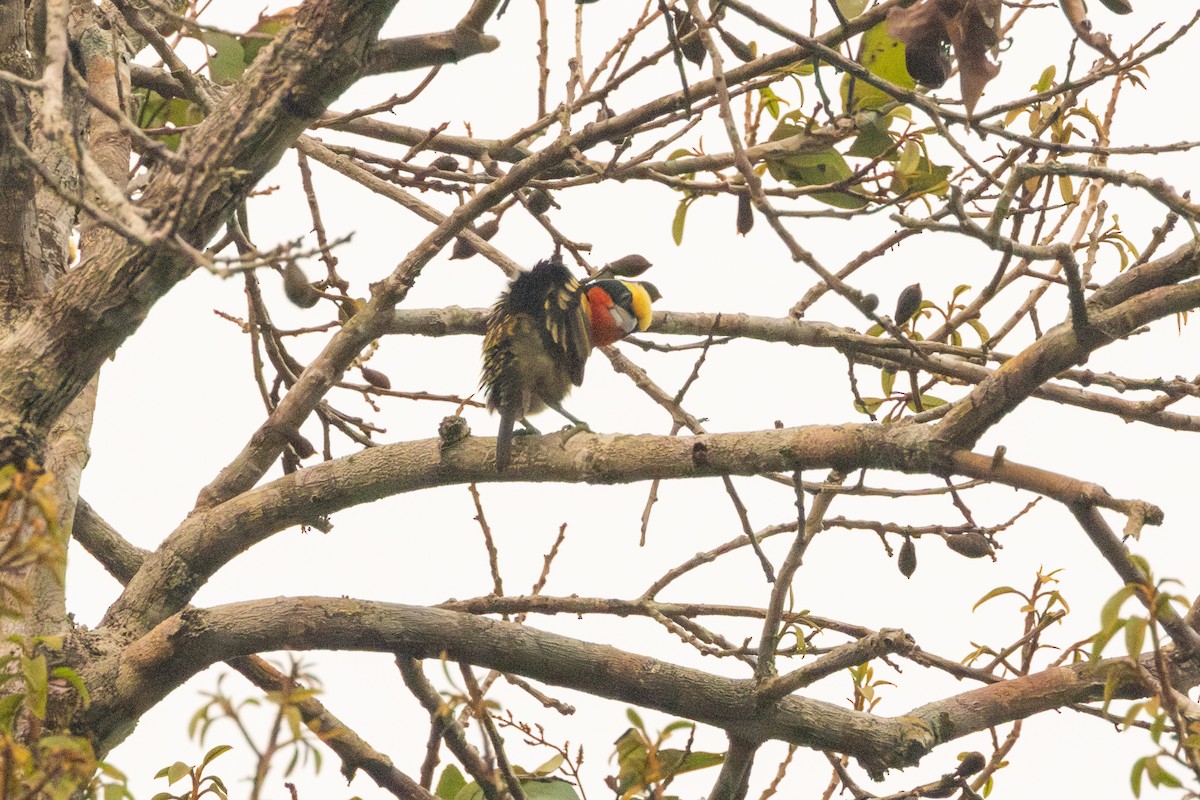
<point>178,402</point>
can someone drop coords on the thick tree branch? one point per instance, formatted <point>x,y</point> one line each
<point>1060,348</point>
<point>401,54</point>
<point>208,539</point>
<point>122,561</point>
<point>102,541</point>
<point>98,304</point>
<point>427,50</point>
<point>159,662</point>
<point>184,644</point>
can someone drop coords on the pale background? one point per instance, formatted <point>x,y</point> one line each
<point>178,401</point>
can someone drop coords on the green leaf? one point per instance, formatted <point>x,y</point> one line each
<point>887,379</point>
<point>695,760</point>
<point>1131,714</point>
<point>928,401</point>
<point>910,159</point>
<point>1112,607</point>
<point>1159,776</point>
<point>110,771</point>
<point>814,169</point>
<point>633,716</point>
<point>851,8</point>
<point>680,218</point>
<point>1135,775</point>
<point>679,724</point>
<point>265,30</point>
<point>549,789</point>
<point>470,791</point>
<point>1104,637</point>
<point>70,676</point>
<point>922,178</point>
<point>980,330</point>
<point>37,681</point>
<point>883,56</point>
<point>1135,636</point>
<point>9,706</point>
<point>770,101</point>
<point>549,767</point>
<point>868,405</point>
<point>1157,727</point>
<point>227,61</point>
<point>295,723</point>
<point>214,753</point>
<point>1066,189</point>
<point>176,771</point>
<point>873,140</point>
<point>157,112</point>
<point>1045,80</point>
<point>999,591</point>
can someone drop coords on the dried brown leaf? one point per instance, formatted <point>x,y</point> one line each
<point>970,26</point>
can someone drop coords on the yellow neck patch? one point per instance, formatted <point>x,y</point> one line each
<point>641,304</point>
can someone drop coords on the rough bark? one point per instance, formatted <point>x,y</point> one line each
<point>64,341</point>
<point>184,644</point>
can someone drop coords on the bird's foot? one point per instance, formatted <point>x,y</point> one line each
<point>570,430</point>
<point>527,429</point>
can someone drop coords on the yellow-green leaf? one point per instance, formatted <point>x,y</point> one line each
<point>37,679</point>
<point>882,56</point>
<point>1045,80</point>
<point>227,61</point>
<point>177,771</point>
<point>451,783</point>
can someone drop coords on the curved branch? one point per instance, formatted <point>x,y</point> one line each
<point>115,553</point>
<point>209,539</point>
<point>187,643</point>
<point>1061,347</point>
<point>184,644</point>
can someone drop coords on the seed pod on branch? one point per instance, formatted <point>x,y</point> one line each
<point>907,558</point>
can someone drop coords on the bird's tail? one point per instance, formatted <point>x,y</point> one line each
<point>504,437</point>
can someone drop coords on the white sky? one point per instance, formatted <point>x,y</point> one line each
<point>178,400</point>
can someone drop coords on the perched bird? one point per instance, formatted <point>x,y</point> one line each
<point>540,333</point>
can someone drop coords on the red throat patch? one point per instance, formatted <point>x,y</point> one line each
<point>605,330</point>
